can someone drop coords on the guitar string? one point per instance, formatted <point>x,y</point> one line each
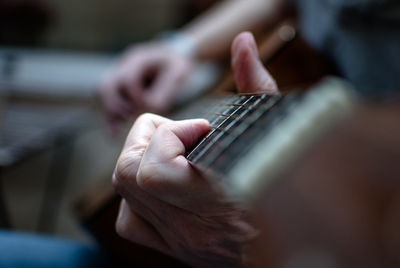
<point>245,106</point>
<point>229,138</point>
<point>265,107</point>
<point>238,122</point>
<point>219,121</point>
<point>241,128</point>
<point>232,104</point>
<point>228,113</point>
<point>268,120</point>
<point>221,114</point>
<point>196,153</point>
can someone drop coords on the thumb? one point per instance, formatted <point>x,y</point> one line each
<point>248,71</point>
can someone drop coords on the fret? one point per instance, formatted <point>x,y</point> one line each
<point>234,104</point>
<point>246,121</point>
<point>228,138</point>
<point>223,115</point>
<point>263,121</point>
<point>220,129</point>
<point>260,107</point>
<point>236,129</point>
<point>212,137</point>
<point>258,112</point>
<point>233,124</point>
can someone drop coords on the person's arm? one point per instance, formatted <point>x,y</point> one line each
<point>214,31</point>
<point>126,89</point>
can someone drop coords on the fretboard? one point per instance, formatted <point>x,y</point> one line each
<point>255,134</point>
<point>234,126</point>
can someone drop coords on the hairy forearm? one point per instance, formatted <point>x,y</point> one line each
<point>214,31</point>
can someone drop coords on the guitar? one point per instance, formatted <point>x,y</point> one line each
<point>236,120</point>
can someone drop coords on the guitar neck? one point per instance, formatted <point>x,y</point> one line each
<point>255,137</point>
<point>236,121</point>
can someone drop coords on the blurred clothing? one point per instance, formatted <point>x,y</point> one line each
<point>361,37</point>
<point>22,250</point>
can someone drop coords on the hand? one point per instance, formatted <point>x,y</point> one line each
<point>147,78</point>
<point>170,206</point>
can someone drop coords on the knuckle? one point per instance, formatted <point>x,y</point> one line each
<point>116,183</point>
<point>122,228</point>
<point>146,117</point>
<point>148,177</point>
<point>165,128</point>
<point>123,171</point>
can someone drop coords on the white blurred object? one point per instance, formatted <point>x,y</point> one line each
<point>46,73</point>
<point>67,74</point>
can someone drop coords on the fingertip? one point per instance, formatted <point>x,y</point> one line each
<point>243,43</point>
<point>190,131</point>
<point>201,121</point>
<point>249,73</point>
<point>202,125</point>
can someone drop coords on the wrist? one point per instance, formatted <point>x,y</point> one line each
<point>180,42</point>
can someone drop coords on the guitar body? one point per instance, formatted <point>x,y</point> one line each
<point>338,205</point>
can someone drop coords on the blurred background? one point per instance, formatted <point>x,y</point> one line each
<point>53,143</point>
<point>92,25</point>
<point>57,157</point>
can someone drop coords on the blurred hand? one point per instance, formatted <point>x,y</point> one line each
<point>167,204</point>
<point>147,78</point>
<point>248,71</point>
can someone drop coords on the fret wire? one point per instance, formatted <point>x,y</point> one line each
<point>209,145</point>
<point>227,111</point>
<point>206,139</point>
<point>194,151</point>
<point>243,127</point>
<point>245,95</point>
<point>258,94</point>
<point>211,158</point>
<point>220,129</point>
<point>232,104</point>
<point>270,101</point>
<point>222,114</point>
<point>254,117</point>
<point>220,135</point>
<point>258,113</point>
<point>263,124</point>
